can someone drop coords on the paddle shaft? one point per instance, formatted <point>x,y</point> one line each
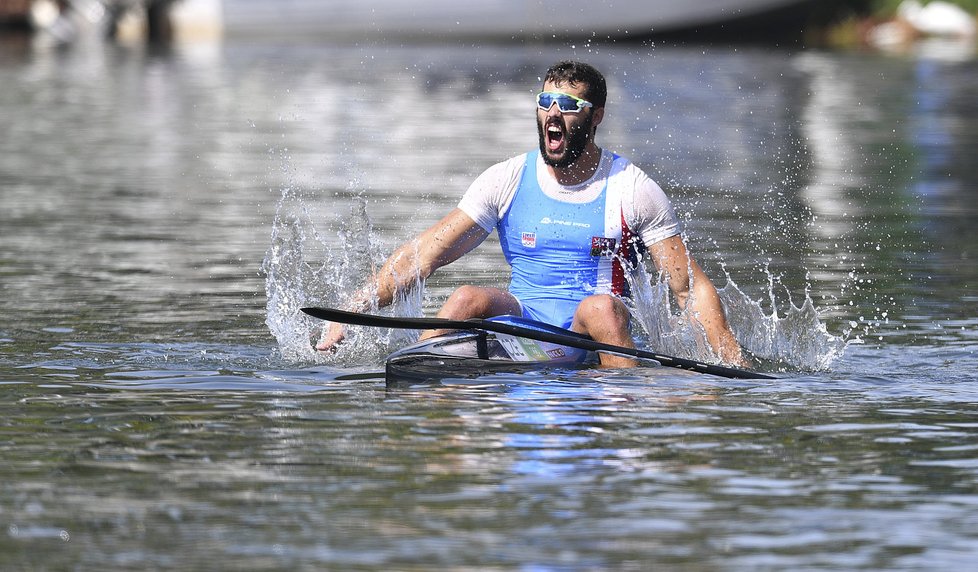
<point>571,339</point>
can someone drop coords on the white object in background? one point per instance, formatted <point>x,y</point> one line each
<point>937,18</point>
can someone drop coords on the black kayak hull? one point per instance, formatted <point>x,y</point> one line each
<point>423,368</point>
<point>469,354</point>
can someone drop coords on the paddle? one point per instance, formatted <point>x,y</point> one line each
<point>570,339</point>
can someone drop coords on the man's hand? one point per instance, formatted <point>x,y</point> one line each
<point>731,352</point>
<point>331,337</point>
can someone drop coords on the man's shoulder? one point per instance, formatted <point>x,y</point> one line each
<point>624,170</point>
<point>506,168</point>
<point>623,163</point>
<point>516,160</point>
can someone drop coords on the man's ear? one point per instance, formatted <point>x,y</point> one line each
<point>598,116</point>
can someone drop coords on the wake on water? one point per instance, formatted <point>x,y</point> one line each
<point>305,268</point>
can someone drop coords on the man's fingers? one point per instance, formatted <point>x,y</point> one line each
<point>331,338</point>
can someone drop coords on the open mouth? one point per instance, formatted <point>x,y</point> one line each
<point>555,136</point>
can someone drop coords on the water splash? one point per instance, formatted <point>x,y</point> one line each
<point>791,338</point>
<point>303,268</point>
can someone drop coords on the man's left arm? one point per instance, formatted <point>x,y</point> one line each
<point>688,283</point>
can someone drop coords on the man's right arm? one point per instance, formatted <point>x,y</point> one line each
<point>443,243</point>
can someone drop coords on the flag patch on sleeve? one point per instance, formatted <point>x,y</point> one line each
<point>602,246</point>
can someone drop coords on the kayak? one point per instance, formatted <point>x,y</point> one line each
<point>504,343</point>
<point>471,353</point>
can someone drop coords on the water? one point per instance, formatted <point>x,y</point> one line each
<point>151,419</point>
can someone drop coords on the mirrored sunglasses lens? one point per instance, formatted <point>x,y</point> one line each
<point>564,102</point>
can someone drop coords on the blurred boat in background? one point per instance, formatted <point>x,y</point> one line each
<point>491,18</point>
<point>396,19</point>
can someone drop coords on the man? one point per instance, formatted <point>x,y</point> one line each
<point>571,219</point>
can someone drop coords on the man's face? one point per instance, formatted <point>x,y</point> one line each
<point>564,136</point>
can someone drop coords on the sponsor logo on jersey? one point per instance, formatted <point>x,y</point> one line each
<point>548,220</point>
<point>529,239</point>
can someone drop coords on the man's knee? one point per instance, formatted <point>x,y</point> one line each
<point>479,302</point>
<point>605,318</point>
<point>603,307</point>
<point>472,299</point>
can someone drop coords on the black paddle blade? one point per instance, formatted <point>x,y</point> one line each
<point>355,319</point>
<point>570,339</point>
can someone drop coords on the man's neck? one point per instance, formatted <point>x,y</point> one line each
<point>580,170</point>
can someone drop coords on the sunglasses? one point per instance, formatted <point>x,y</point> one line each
<point>566,102</point>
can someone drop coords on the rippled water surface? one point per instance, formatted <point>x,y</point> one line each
<point>164,213</point>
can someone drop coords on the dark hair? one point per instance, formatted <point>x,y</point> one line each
<point>574,73</point>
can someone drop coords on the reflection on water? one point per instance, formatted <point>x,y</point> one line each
<point>151,419</point>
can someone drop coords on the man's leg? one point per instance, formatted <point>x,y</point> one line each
<point>605,319</point>
<point>475,302</point>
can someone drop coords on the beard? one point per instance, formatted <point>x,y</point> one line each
<point>574,144</point>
